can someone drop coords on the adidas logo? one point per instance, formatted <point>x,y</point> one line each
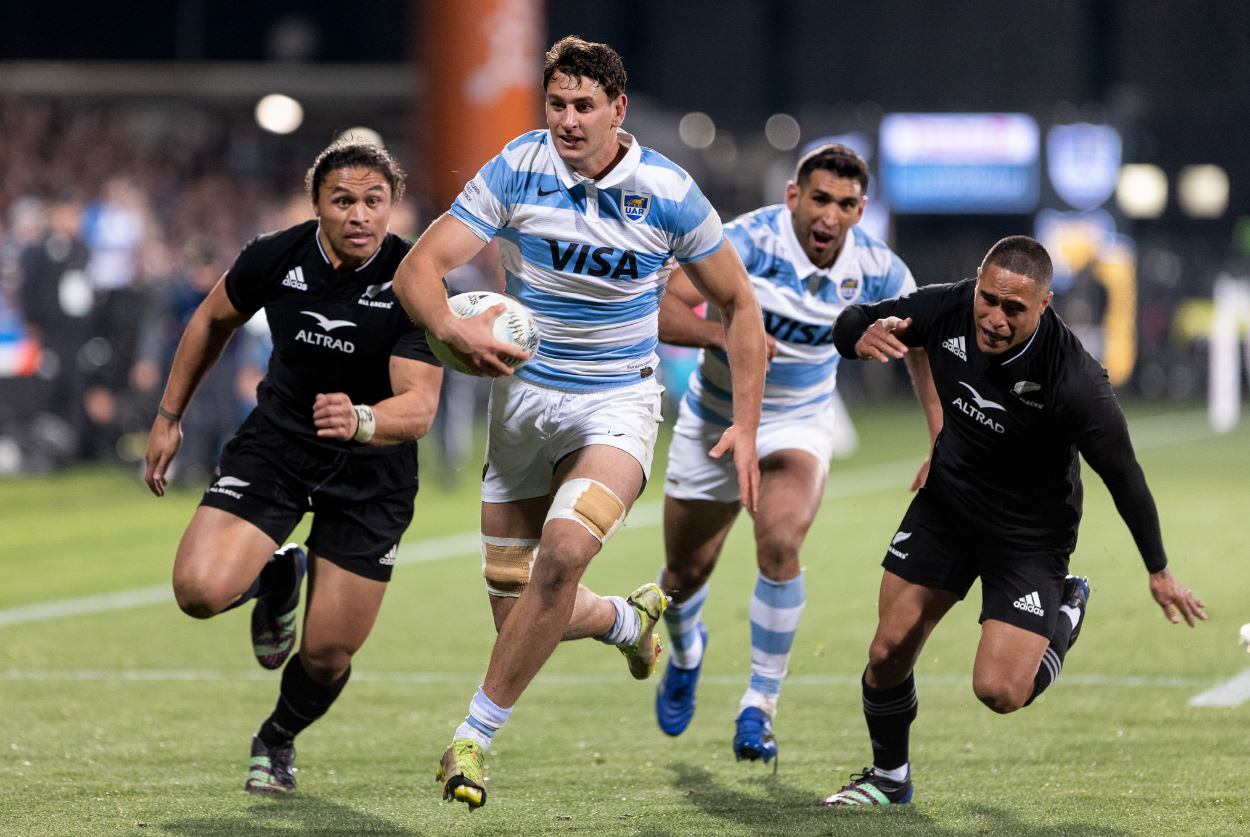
<point>295,279</point>
<point>1030,603</point>
<point>955,345</point>
<point>388,560</point>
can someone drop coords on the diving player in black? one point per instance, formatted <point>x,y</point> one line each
<point>351,386</point>
<point>1020,398</point>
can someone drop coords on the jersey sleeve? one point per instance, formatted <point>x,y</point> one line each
<point>412,345</point>
<point>922,305</point>
<point>898,279</point>
<point>256,273</point>
<point>485,205</point>
<point>1089,412</point>
<point>694,227</point>
<point>754,259</point>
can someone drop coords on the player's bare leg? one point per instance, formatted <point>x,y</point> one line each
<point>1002,678</point>
<point>593,614</point>
<point>1007,660</point>
<point>694,533</point>
<point>219,557</point>
<point>542,612</point>
<point>223,561</point>
<point>598,484</point>
<point>906,614</point>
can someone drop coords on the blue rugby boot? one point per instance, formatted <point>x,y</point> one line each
<point>675,699</point>
<point>753,739</point>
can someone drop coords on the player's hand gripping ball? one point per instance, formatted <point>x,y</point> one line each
<point>515,325</point>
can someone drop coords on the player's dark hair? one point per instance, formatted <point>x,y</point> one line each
<point>580,59</point>
<point>835,158</point>
<point>351,152</point>
<point>1024,256</point>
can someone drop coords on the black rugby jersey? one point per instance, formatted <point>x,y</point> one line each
<point>331,332</point>
<point>1006,460</point>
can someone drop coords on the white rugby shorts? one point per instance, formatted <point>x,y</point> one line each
<point>531,428</point>
<point>693,475</point>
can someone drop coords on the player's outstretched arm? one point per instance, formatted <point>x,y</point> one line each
<point>1177,601</point>
<point>1094,418</point>
<point>446,245</point>
<point>405,416</point>
<point>206,334</point>
<point>723,280</point>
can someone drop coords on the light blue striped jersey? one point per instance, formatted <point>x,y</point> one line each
<point>588,257</point>
<point>800,302</point>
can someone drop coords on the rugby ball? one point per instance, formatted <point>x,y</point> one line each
<point>515,325</point>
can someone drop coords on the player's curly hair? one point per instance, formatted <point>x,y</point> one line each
<point>577,59</point>
<point>839,159</point>
<point>1024,256</point>
<point>350,152</point>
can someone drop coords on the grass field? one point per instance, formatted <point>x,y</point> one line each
<point>119,715</point>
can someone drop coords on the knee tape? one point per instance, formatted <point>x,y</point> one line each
<point>507,564</point>
<point>590,503</point>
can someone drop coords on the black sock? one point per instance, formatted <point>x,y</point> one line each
<point>277,576</point>
<point>1052,657</point>
<point>301,700</point>
<point>257,589</point>
<point>889,713</point>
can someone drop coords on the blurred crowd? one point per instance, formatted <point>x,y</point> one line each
<point>117,217</point>
<point>115,222</point>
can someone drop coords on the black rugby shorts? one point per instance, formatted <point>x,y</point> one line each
<point>361,505</point>
<point>935,548</point>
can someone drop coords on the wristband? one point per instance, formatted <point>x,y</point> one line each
<point>365,423</point>
<point>167,414</point>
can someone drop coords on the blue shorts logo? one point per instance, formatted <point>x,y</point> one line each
<point>635,205</point>
<point>848,289</point>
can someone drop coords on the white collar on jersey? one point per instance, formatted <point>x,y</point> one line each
<point>623,169</point>
<point>1026,345</point>
<point>797,256</point>
<point>325,256</point>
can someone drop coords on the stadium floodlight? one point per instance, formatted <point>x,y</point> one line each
<point>697,129</point>
<point>1202,191</point>
<point>279,114</point>
<point>1142,191</point>
<point>782,131</point>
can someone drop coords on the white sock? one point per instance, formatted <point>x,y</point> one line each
<point>625,627</point>
<point>484,719</point>
<point>682,618</point>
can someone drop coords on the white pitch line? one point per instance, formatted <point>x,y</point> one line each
<point>187,675</point>
<point>1155,431</point>
<point>1232,692</point>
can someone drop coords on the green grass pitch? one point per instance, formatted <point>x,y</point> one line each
<point>119,715</point>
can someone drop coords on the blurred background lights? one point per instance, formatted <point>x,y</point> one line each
<point>1202,191</point>
<point>697,130</point>
<point>279,114</point>
<point>722,154</point>
<point>782,131</point>
<point>1142,191</point>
